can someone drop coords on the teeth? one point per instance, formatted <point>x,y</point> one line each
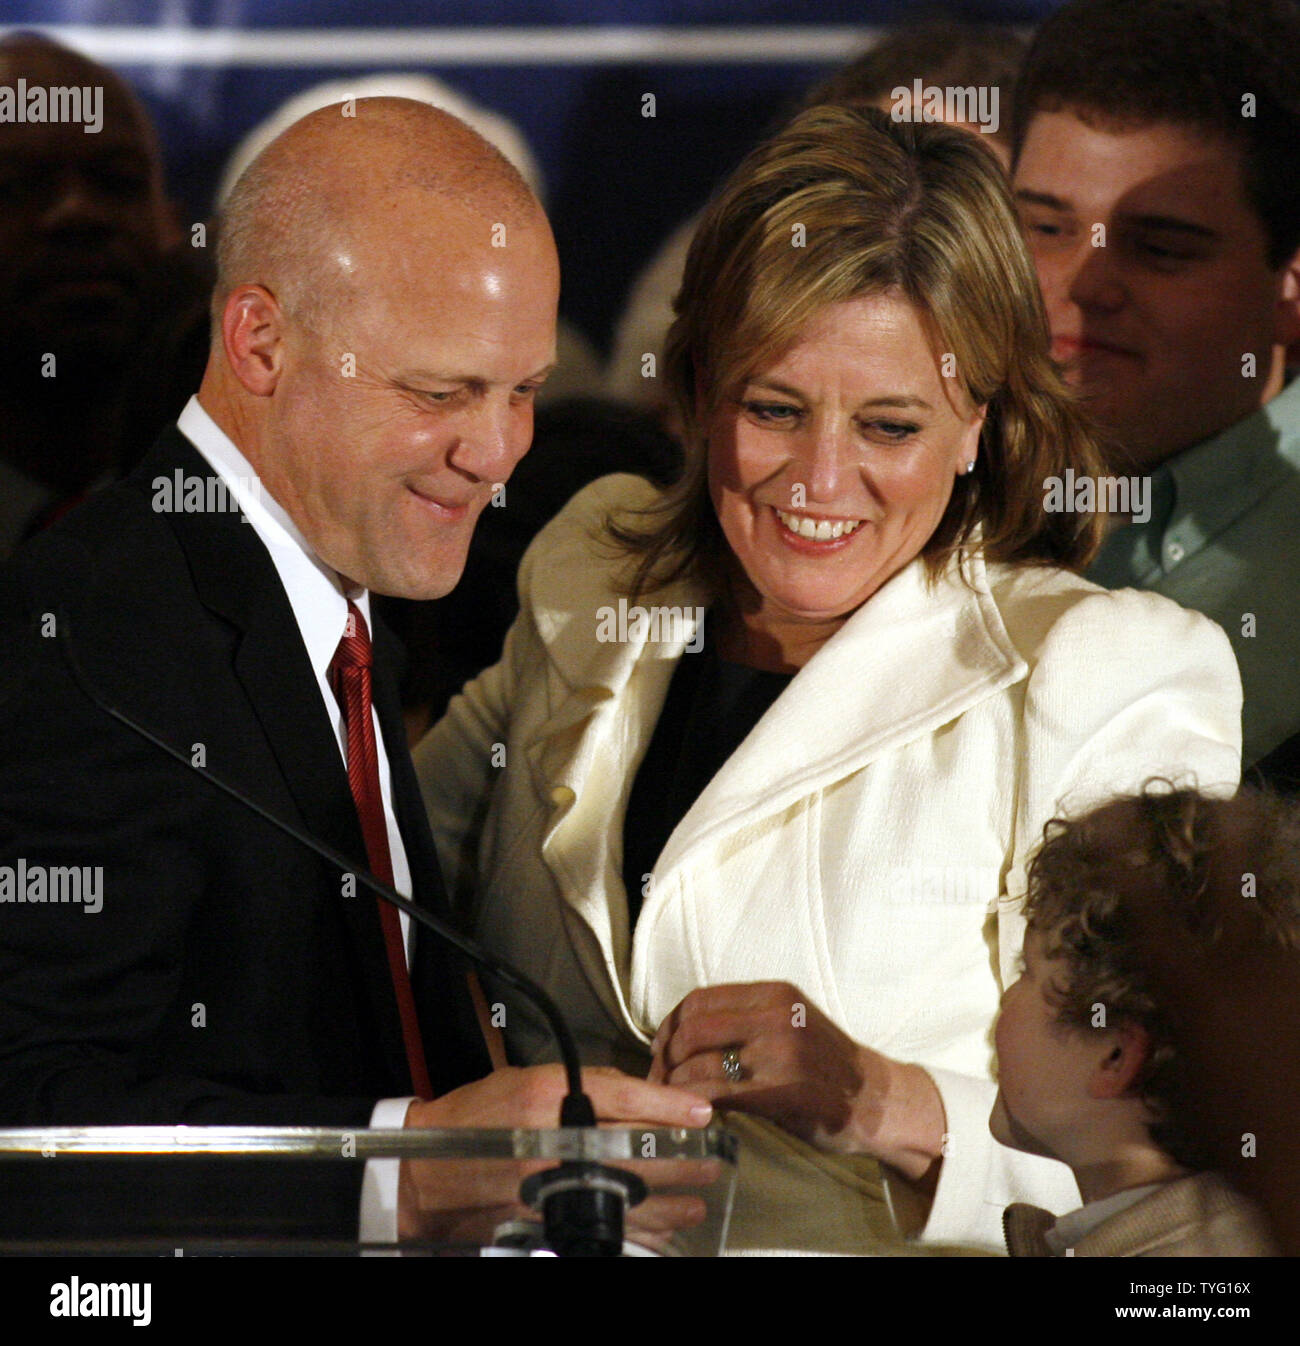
<point>818,530</point>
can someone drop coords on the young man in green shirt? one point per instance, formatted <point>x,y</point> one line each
<point>1156,146</point>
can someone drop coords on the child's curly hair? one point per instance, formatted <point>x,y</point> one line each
<point>1169,839</point>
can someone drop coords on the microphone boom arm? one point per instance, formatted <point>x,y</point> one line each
<point>576,1109</point>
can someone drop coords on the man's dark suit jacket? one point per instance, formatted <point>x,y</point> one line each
<point>227,979</point>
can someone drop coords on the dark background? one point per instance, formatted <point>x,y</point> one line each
<point>616,181</point>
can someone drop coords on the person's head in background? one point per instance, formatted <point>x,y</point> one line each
<point>860,367</point>
<point>376,353</point>
<point>84,221</point>
<point>1087,1067</point>
<point>975,64</point>
<point>1155,153</point>
<point>942,55</point>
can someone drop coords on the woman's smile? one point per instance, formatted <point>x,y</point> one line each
<point>818,530</point>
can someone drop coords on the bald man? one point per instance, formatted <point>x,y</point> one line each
<point>383,317</point>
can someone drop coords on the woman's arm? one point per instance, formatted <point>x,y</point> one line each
<point>458,762</point>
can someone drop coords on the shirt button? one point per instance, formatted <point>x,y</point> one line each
<point>1174,552</point>
<point>561,794</point>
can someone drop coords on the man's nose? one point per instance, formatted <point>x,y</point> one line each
<point>1094,280</point>
<point>496,435</point>
<point>73,202</point>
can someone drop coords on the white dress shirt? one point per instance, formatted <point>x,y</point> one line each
<point>320,607</point>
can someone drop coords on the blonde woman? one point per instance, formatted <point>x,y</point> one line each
<point>753,787</point>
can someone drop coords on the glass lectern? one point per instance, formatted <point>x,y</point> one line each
<point>103,1190</point>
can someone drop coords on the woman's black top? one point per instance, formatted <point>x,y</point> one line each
<point>710,708</point>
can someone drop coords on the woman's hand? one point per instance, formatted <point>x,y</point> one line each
<point>799,1070</point>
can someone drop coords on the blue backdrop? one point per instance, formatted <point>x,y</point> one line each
<point>571,75</point>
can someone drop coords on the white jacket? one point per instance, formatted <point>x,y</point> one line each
<point>866,842</point>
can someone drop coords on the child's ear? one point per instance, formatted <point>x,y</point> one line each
<point>1127,1051</point>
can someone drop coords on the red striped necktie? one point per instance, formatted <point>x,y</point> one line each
<point>349,676</point>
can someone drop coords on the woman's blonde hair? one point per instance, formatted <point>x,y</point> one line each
<point>846,202</point>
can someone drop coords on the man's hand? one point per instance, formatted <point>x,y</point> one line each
<point>448,1201</point>
<point>801,1071</point>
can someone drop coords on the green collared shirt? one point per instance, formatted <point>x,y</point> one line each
<point>1224,538</point>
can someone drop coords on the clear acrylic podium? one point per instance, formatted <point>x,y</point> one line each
<point>671,1162</point>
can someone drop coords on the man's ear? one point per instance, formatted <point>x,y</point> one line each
<point>252,334</point>
<point>1286,327</point>
<point>1128,1049</point>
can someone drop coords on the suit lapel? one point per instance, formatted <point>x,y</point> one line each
<point>235,578</point>
<point>909,661</point>
<point>453,1042</point>
<point>582,762</point>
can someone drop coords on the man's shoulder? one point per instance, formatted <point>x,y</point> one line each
<point>113,531</point>
<point>1239,488</point>
<point>139,592</point>
<point>104,550</point>
<point>136,543</point>
<point>1284,411</point>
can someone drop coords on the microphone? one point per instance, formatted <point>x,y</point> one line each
<point>582,1202</point>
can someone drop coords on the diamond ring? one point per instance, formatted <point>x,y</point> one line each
<point>732,1071</point>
